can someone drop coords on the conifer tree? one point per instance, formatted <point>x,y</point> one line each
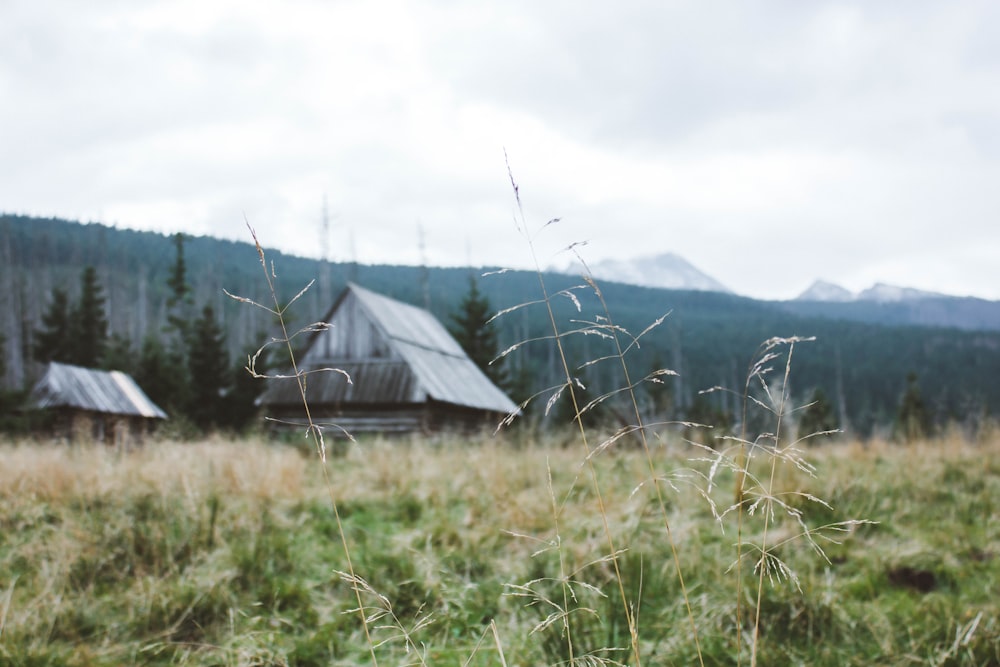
<point>818,416</point>
<point>162,376</point>
<point>475,333</point>
<point>208,368</point>
<point>177,281</point>
<point>5,395</point>
<point>118,354</point>
<point>89,323</point>
<point>179,295</point>
<point>240,407</point>
<point>165,364</point>
<point>913,421</point>
<point>54,341</point>
<point>706,410</point>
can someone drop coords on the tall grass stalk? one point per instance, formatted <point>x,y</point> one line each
<point>113,564</point>
<point>570,386</point>
<point>313,430</point>
<point>756,494</point>
<point>761,498</point>
<point>768,510</point>
<point>8,597</point>
<point>615,333</point>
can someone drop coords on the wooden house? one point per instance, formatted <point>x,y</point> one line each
<point>407,373</point>
<point>89,404</point>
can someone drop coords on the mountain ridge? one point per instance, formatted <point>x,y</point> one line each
<point>664,271</point>
<point>706,337</point>
<point>822,290</point>
<point>881,303</point>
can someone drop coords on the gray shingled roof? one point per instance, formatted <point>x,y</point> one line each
<point>109,392</point>
<point>433,367</point>
<point>442,368</point>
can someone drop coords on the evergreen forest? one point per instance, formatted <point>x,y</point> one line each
<point>155,306</point>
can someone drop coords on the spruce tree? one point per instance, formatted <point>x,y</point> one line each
<point>54,341</point>
<point>89,323</point>
<point>167,364</point>
<point>475,333</point>
<point>118,354</point>
<point>177,281</point>
<point>6,402</point>
<point>179,313</point>
<point>162,376</point>
<point>818,416</point>
<point>208,368</point>
<point>240,404</point>
<point>913,421</point>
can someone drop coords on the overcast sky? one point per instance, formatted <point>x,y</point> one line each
<point>768,143</point>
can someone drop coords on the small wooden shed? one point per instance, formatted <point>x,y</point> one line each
<point>90,404</point>
<point>407,373</point>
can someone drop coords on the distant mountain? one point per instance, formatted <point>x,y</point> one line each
<point>892,305</point>
<point>891,293</point>
<point>879,292</point>
<point>666,271</point>
<point>824,291</point>
<point>863,353</point>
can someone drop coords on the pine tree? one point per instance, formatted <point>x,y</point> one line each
<point>913,421</point>
<point>818,416</point>
<point>240,405</point>
<point>165,364</point>
<point>54,341</point>
<point>177,281</point>
<point>7,400</point>
<point>162,376</point>
<point>179,313</point>
<point>475,333</point>
<point>89,323</point>
<point>118,354</point>
<point>208,368</point>
<point>706,410</point>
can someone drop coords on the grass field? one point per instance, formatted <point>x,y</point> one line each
<point>227,553</point>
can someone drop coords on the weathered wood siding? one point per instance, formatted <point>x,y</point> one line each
<point>389,419</point>
<point>407,373</point>
<point>353,336</point>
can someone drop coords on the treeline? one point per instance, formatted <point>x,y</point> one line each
<point>862,370</point>
<point>182,363</point>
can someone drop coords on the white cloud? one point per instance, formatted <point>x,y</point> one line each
<point>769,144</point>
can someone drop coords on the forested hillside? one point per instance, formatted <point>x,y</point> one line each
<point>708,338</point>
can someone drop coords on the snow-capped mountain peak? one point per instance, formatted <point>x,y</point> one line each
<point>667,270</point>
<point>879,293</point>
<point>890,293</point>
<point>822,290</point>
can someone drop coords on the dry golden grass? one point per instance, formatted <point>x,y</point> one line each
<point>445,521</point>
<point>55,472</point>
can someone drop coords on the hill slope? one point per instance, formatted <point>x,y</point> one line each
<point>708,337</point>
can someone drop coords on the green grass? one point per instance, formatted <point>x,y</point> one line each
<point>227,553</point>
<point>583,547</point>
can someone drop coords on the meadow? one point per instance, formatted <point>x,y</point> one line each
<point>591,541</point>
<point>494,550</point>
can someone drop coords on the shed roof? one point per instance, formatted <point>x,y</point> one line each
<point>442,368</point>
<point>109,392</point>
<point>435,367</point>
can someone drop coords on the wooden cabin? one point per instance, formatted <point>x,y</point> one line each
<point>406,373</point>
<point>88,404</point>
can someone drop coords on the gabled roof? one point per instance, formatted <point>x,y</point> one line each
<point>442,368</point>
<point>434,366</point>
<point>407,324</point>
<point>108,392</point>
